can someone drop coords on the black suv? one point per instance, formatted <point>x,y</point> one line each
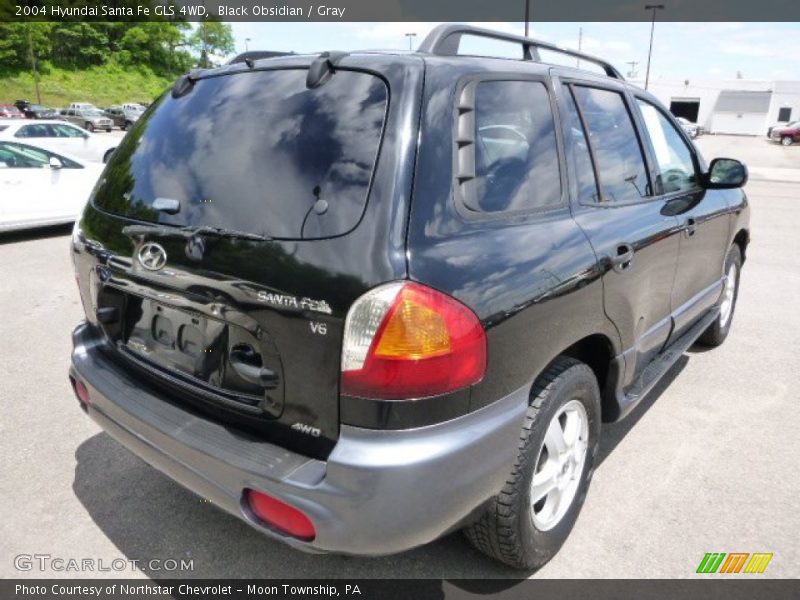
<point>361,300</point>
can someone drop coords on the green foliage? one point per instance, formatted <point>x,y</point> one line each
<point>164,47</point>
<point>103,85</point>
<point>211,37</point>
<point>16,41</point>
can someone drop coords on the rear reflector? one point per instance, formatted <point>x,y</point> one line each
<point>405,340</point>
<point>279,515</point>
<point>81,391</point>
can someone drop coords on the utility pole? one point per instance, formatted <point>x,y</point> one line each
<point>580,45</point>
<point>410,37</point>
<point>246,44</point>
<point>632,73</point>
<point>32,57</point>
<point>527,15</point>
<point>654,8</point>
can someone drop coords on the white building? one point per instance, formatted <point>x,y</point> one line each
<point>738,106</point>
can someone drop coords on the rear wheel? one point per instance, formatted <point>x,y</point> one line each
<point>786,140</point>
<point>88,126</point>
<point>526,524</point>
<point>718,330</point>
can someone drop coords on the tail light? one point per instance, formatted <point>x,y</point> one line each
<point>405,340</point>
<point>283,517</point>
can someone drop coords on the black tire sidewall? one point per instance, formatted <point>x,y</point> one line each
<point>581,385</point>
<point>734,256</point>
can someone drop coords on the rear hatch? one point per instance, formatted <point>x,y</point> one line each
<point>226,241</point>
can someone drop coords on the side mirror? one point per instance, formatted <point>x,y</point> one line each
<point>725,174</point>
<point>55,163</point>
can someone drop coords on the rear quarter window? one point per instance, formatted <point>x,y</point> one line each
<point>507,153</point>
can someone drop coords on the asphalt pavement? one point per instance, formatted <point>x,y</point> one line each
<point>707,463</point>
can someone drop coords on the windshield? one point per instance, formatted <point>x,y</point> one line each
<point>255,152</point>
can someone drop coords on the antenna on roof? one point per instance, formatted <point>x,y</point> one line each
<point>323,68</point>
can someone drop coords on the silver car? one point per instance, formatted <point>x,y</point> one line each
<point>88,118</point>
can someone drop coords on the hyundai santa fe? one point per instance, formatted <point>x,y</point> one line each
<point>360,300</point>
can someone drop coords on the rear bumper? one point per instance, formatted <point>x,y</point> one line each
<point>379,492</point>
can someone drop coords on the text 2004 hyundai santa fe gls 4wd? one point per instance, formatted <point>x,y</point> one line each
<point>363,300</point>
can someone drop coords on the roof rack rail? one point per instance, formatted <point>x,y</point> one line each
<point>445,39</point>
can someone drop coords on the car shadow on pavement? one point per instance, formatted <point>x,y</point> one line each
<point>40,233</point>
<point>614,433</point>
<point>148,517</point>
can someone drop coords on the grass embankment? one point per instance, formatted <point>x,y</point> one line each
<point>102,86</point>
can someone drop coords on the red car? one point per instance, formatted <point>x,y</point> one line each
<point>786,135</point>
<point>8,111</point>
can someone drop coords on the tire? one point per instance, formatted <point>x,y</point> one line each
<point>126,126</point>
<point>786,141</point>
<point>107,155</point>
<point>89,127</point>
<point>512,529</point>
<point>719,329</point>
<point>109,130</point>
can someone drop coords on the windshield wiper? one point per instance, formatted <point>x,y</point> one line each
<point>189,232</point>
<point>229,233</point>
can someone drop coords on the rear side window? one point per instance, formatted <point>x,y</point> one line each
<point>63,131</point>
<point>32,131</point>
<point>254,152</point>
<point>618,156</point>
<point>512,149</point>
<point>582,167</point>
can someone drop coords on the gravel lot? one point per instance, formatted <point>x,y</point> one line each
<point>708,462</point>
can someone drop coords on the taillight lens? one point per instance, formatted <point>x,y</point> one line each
<point>405,340</point>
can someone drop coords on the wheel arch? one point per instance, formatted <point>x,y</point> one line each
<point>742,239</point>
<point>597,351</point>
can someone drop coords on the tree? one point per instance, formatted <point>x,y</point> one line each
<point>212,37</point>
<point>158,44</point>
<point>18,39</point>
<point>79,44</point>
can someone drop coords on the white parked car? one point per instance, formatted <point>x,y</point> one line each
<point>59,136</point>
<point>39,187</point>
<point>691,129</point>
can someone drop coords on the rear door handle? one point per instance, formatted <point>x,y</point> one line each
<point>623,257</point>
<point>690,227</point>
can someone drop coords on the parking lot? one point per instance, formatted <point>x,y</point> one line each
<point>707,463</point>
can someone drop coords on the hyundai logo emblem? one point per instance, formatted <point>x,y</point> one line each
<point>152,256</point>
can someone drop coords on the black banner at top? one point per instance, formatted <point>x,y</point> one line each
<point>400,10</point>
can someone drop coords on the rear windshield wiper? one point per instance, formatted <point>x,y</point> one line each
<point>229,233</point>
<point>188,232</point>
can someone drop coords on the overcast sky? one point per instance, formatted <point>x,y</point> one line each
<point>680,50</point>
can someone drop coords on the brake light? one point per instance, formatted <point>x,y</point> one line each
<point>283,517</point>
<point>405,340</point>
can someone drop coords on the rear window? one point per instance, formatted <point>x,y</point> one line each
<point>254,152</point>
